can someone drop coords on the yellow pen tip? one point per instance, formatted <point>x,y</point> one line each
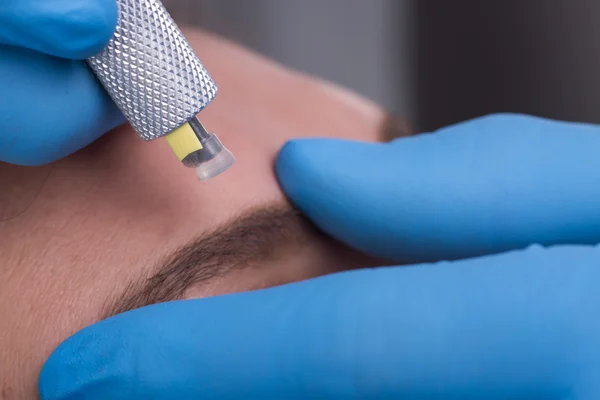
<point>183,141</point>
<point>196,148</point>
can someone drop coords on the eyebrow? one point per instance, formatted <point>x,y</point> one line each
<point>256,236</point>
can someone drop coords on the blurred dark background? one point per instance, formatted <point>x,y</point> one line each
<point>432,61</point>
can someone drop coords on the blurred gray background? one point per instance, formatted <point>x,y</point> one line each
<point>435,62</point>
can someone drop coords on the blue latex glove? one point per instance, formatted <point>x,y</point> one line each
<point>519,325</point>
<point>50,104</point>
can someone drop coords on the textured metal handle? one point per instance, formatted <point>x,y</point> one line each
<point>151,72</point>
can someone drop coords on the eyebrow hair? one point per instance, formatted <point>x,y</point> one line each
<point>256,236</point>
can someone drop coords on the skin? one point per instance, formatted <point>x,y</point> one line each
<point>74,233</point>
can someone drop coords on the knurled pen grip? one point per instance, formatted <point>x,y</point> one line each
<point>151,72</point>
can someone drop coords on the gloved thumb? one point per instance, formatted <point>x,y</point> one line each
<point>75,29</point>
<point>485,186</point>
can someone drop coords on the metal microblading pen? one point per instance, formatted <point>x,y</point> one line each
<point>156,79</point>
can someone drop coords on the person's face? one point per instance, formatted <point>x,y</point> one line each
<point>123,224</point>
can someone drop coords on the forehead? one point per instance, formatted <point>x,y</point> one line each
<point>123,202</point>
<point>103,216</point>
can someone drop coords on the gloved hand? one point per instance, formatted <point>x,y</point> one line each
<point>50,104</point>
<point>520,324</point>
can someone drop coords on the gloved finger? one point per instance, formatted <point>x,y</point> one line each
<point>74,29</point>
<point>485,186</point>
<point>520,325</point>
<point>50,107</point>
